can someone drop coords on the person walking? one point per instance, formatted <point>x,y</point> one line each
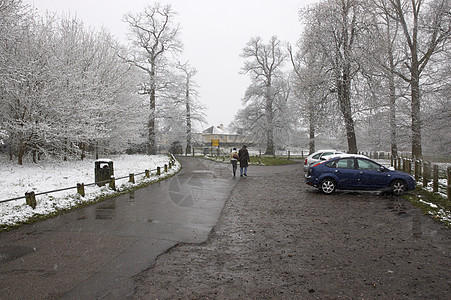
<point>244,160</point>
<point>234,160</point>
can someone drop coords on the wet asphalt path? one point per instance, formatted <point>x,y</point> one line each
<point>94,252</point>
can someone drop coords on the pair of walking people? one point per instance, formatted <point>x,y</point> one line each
<point>243,157</point>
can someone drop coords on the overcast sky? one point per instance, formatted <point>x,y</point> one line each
<point>213,32</point>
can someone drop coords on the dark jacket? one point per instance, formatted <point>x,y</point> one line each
<point>244,157</point>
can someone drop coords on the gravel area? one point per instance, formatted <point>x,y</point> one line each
<point>277,238</point>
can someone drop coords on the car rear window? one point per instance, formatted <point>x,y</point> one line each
<point>331,164</point>
<point>327,153</point>
<point>345,163</point>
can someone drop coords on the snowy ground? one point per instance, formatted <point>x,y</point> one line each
<point>16,180</point>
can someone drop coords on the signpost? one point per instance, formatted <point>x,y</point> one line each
<point>214,143</point>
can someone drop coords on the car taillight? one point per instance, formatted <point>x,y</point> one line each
<point>318,164</point>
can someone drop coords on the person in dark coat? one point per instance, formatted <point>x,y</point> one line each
<point>244,160</point>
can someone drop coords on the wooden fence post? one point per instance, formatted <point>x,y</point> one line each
<point>30,199</point>
<point>112,183</point>
<point>147,173</point>
<point>81,189</point>
<point>417,170</point>
<point>165,168</point>
<point>426,173</point>
<point>158,171</point>
<point>435,179</point>
<point>420,162</point>
<point>448,188</point>
<point>131,178</point>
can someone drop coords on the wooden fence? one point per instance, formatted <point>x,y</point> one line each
<point>30,197</point>
<point>424,172</point>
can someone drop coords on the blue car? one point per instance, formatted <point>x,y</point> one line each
<point>355,172</point>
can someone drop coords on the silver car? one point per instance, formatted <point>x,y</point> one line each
<point>316,157</point>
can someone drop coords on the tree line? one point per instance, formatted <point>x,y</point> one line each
<point>366,75</point>
<point>374,71</point>
<point>66,89</point>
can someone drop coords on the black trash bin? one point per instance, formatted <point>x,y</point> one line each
<point>103,171</point>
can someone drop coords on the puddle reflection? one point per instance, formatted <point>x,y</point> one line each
<point>106,210</point>
<point>416,225</point>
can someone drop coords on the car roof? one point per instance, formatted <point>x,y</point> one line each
<point>325,150</point>
<point>344,155</point>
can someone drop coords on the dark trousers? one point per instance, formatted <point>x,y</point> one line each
<point>234,166</point>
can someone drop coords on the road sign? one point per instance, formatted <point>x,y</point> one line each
<point>215,143</point>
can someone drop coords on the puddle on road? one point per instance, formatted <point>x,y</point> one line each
<point>106,210</point>
<point>8,253</point>
<point>416,225</point>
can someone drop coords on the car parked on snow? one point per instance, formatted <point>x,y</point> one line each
<point>317,157</point>
<point>356,172</point>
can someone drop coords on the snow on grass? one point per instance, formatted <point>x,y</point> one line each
<point>53,175</point>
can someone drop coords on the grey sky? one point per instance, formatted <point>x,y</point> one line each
<point>213,32</point>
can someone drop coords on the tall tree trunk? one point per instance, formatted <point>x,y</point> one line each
<point>65,149</point>
<point>392,105</point>
<point>188,122</point>
<point>20,151</point>
<point>152,150</point>
<point>392,96</point>
<point>416,116</point>
<point>344,74</point>
<point>344,100</point>
<point>269,122</point>
<point>312,125</point>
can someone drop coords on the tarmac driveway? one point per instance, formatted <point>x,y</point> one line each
<point>277,238</point>
<point>206,235</point>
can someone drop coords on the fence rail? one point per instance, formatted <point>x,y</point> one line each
<point>425,172</point>
<point>30,197</point>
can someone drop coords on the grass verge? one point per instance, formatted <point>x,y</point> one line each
<point>433,204</point>
<point>257,160</point>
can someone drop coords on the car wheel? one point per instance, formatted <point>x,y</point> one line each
<point>327,186</point>
<point>398,187</point>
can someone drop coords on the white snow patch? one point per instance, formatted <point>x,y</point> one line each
<point>53,175</point>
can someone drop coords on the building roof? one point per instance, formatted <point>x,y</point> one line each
<point>217,130</point>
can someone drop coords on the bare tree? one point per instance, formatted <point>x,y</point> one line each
<point>310,87</point>
<point>426,28</point>
<point>263,64</point>
<point>333,31</point>
<point>153,34</point>
<point>190,93</point>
